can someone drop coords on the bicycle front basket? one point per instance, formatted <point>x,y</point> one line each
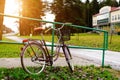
<point>65,35</point>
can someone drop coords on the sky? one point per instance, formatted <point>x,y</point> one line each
<point>11,8</point>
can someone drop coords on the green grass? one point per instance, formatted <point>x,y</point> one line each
<point>88,40</point>
<point>115,44</point>
<point>9,50</point>
<point>61,73</point>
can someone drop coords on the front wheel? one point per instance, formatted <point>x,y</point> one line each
<point>68,58</point>
<point>33,58</point>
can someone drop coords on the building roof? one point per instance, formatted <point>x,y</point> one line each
<point>96,15</point>
<point>112,10</point>
<point>115,9</point>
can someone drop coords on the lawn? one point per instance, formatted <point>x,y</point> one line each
<point>9,50</point>
<point>87,40</point>
<point>62,73</point>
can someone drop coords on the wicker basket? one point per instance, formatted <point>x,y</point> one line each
<point>65,35</point>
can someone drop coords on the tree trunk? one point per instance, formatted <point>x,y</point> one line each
<point>2,6</point>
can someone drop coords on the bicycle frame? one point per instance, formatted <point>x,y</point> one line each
<point>39,52</point>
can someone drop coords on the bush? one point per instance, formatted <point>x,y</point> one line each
<point>118,33</point>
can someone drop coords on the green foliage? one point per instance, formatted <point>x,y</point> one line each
<point>10,50</point>
<point>59,73</point>
<point>95,7</point>
<point>108,66</point>
<point>112,3</point>
<point>69,11</point>
<point>119,3</point>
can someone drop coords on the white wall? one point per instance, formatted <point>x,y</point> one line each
<point>115,16</point>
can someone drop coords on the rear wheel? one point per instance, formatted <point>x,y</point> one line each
<point>68,58</point>
<point>33,58</point>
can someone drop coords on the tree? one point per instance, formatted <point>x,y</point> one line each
<point>33,9</point>
<point>2,6</point>
<point>88,13</point>
<point>72,11</point>
<point>95,7</point>
<point>112,3</point>
<point>69,11</point>
<point>119,3</point>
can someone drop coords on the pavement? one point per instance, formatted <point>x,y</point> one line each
<point>81,57</point>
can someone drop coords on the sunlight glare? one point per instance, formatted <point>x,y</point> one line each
<point>11,8</point>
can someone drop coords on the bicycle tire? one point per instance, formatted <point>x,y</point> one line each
<point>68,57</point>
<point>33,62</point>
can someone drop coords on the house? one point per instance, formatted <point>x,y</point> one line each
<point>107,16</point>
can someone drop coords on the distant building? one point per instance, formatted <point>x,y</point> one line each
<point>107,16</point>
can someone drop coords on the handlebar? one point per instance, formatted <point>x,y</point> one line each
<point>58,28</point>
<point>41,29</point>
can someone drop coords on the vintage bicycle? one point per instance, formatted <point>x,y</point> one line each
<point>35,55</point>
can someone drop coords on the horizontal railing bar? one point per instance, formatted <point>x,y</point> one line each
<point>79,47</point>
<point>82,47</point>
<point>8,42</point>
<point>77,26</point>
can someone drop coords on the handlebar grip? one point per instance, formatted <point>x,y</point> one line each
<point>38,29</point>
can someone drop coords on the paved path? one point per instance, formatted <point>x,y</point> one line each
<point>111,58</point>
<point>80,57</point>
<point>15,62</point>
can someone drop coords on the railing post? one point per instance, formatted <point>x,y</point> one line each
<point>103,58</point>
<point>52,47</point>
<point>105,46</point>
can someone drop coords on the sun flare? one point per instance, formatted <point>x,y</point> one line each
<point>12,7</point>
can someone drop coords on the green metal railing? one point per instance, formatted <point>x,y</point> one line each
<point>105,41</point>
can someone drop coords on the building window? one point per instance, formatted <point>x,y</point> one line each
<point>118,16</point>
<point>115,17</point>
<point>112,18</point>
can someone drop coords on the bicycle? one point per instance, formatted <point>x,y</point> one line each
<point>35,55</point>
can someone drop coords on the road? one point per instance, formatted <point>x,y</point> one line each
<point>87,56</point>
